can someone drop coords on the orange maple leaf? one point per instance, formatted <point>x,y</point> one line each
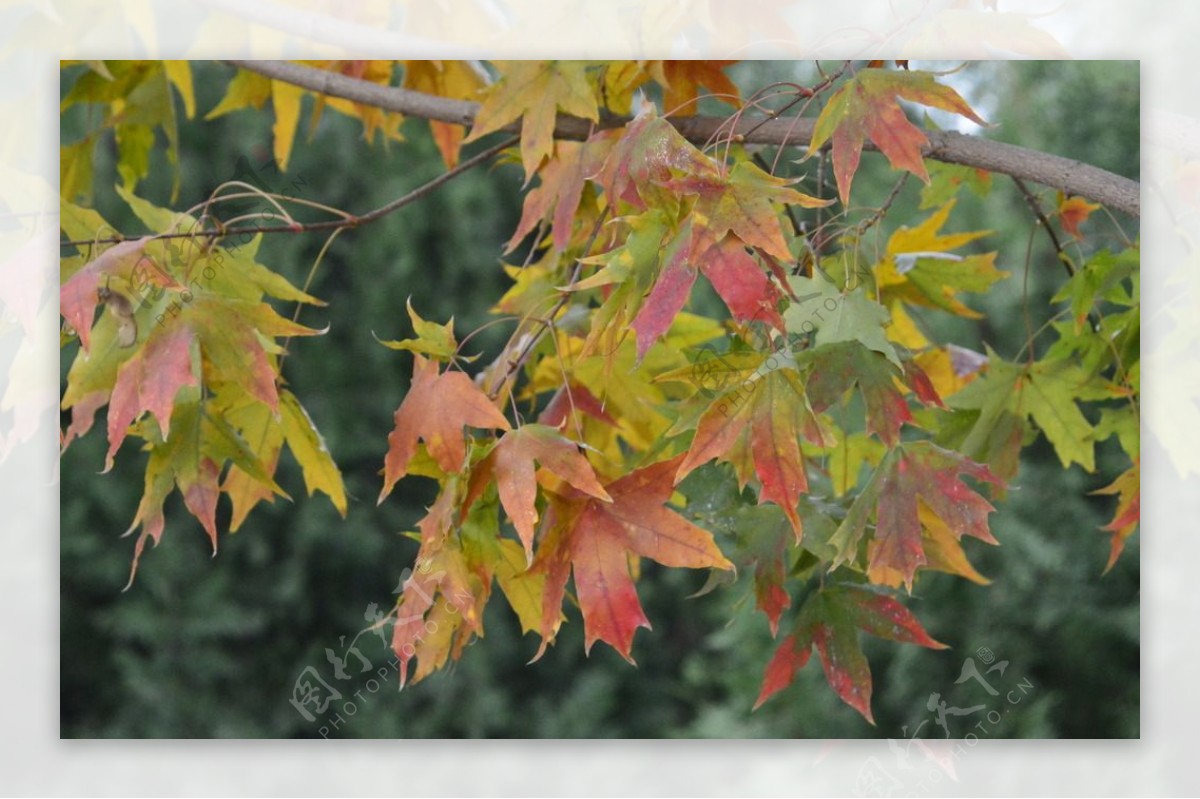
<point>757,427</point>
<point>1073,212</point>
<point>511,463</point>
<point>436,410</point>
<point>683,80</point>
<point>453,79</point>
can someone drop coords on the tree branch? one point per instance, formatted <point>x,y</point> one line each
<point>1073,177</point>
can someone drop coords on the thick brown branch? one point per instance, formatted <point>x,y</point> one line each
<point>1073,177</point>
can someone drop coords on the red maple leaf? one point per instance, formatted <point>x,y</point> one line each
<point>866,106</point>
<point>830,621</point>
<point>596,539</point>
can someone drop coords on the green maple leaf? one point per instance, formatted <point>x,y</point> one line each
<point>1047,392</point>
<point>837,316</point>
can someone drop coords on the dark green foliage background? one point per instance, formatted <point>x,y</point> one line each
<point>212,647</point>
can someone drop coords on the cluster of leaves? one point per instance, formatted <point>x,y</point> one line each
<point>847,429</point>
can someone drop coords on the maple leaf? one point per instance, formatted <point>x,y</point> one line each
<point>1125,521</point>
<point>682,81</point>
<point>739,281</point>
<point>837,316</point>
<point>245,90</point>
<point>149,382</point>
<point>231,334</point>
<point>379,71</point>
<point>669,293</point>
<point>830,621</point>
<point>453,79</point>
<point>595,540</point>
<point>1046,391</point>
<point>257,423</point>
<point>1105,277</point>
<point>943,552</point>
<point>920,269</point>
<point>651,281</point>
<point>620,79</point>
<point>743,202</point>
<point>771,558</point>
<point>649,155</point>
<point>911,474</point>
<point>433,340</point>
<point>511,464</point>
<point>866,107</point>
<point>421,630</point>
<point>192,460</point>
<point>437,408</point>
<point>285,99</point>
<point>558,196</point>
<point>1073,212</point>
<point>79,294</point>
<point>833,369</point>
<point>652,166</point>
<point>535,92</point>
<point>756,427</point>
<point>522,587</point>
<point>373,118</point>
<point>308,447</point>
<point>946,180</point>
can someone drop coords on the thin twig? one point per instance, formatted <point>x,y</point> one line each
<point>1036,207</point>
<point>545,322</point>
<point>333,224</point>
<point>873,220</point>
<point>1063,258</point>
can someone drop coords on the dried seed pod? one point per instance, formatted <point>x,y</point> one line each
<point>120,307</point>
